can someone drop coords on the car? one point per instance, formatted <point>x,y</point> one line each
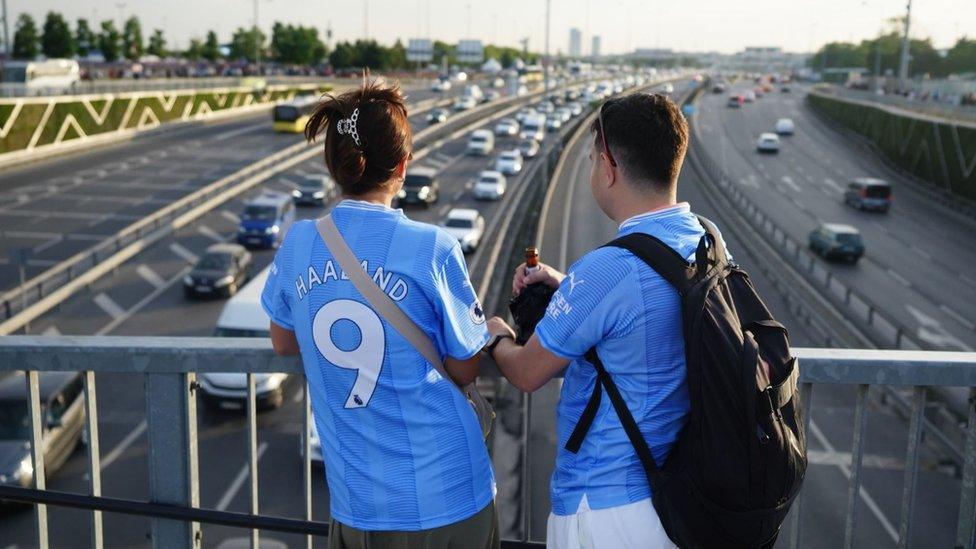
<point>528,148</point>
<point>265,220</point>
<point>735,101</point>
<point>758,92</point>
<point>438,116</point>
<point>509,162</point>
<point>220,271</point>
<point>441,86</point>
<point>768,143</point>
<point>480,143</point>
<point>533,127</point>
<point>465,103</point>
<point>553,123</point>
<point>837,241</point>
<point>784,89</point>
<point>868,193</point>
<point>467,226</point>
<point>575,108</point>
<point>785,126</point>
<point>521,91</point>
<point>313,190</point>
<point>545,107</point>
<point>564,114</point>
<point>666,88</point>
<point>420,186</point>
<point>507,126</point>
<point>749,96</point>
<point>524,113</point>
<point>62,424</point>
<point>719,87</point>
<point>498,82</point>
<point>490,96</point>
<point>490,185</point>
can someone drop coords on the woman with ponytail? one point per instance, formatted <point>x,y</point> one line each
<point>404,454</point>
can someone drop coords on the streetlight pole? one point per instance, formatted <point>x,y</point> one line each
<point>365,20</point>
<point>6,32</point>
<point>121,7</point>
<point>903,65</point>
<point>545,64</point>
<point>257,42</point>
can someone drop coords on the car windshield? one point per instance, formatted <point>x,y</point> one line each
<point>260,213</point>
<point>477,139</point>
<point>877,191</point>
<point>214,262</point>
<point>313,184</point>
<point>286,113</point>
<point>459,223</point>
<point>14,423</point>
<point>849,238</point>
<point>416,181</point>
<point>526,144</point>
<point>507,156</point>
<point>487,180</point>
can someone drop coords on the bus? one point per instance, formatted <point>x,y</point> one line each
<point>40,77</point>
<point>243,316</point>
<point>291,116</point>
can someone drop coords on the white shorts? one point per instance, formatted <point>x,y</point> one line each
<point>635,525</point>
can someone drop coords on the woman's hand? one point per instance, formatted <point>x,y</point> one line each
<point>546,274</point>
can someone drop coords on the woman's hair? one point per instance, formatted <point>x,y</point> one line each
<point>381,127</point>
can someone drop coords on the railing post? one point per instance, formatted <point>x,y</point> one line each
<point>911,466</point>
<point>966,527</point>
<point>94,459</point>
<point>854,483</point>
<point>37,452</point>
<point>806,398</point>
<point>171,415</point>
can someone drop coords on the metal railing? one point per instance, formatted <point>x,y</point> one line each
<point>170,366</point>
<point>947,111</point>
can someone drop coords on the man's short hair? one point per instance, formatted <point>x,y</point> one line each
<point>647,136</point>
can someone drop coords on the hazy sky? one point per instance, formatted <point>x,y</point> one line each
<point>691,25</point>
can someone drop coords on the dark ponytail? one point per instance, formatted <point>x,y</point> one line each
<point>385,138</point>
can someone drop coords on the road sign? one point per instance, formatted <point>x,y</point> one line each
<point>420,50</point>
<point>470,51</point>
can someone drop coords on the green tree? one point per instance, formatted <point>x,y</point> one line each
<point>442,49</point>
<point>397,56</point>
<point>85,39</point>
<point>26,40</point>
<point>343,56</point>
<point>507,58</point>
<point>157,44</point>
<point>132,39</point>
<point>57,40</point>
<point>195,50</point>
<point>211,48</point>
<point>961,58</point>
<point>247,44</point>
<point>110,41</point>
<point>296,44</point>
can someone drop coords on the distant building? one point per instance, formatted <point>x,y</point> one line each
<point>595,47</point>
<point>575,43</point>
<point>765,58</point>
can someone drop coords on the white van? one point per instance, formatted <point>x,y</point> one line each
<point>243,316</point>
<point>533,127</point>
<point>481,143</point>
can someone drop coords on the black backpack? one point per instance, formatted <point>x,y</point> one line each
<point>739,461</point>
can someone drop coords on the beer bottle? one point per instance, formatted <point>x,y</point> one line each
<point>529,306</point>
<point>531,260</point>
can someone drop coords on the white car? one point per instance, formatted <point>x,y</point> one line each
<point>524,113</point>
<point>563,114</point>
<point>465,103</point>
<point>437,116</point>
<point>509,162</point>
<point>575,108</point>
<point>768,142</point>
<point>490,185</point>
<point>545,107</point>
<point>785,126</point>
<point>230,390</point>
<point>553,123</point>
<point>507,126</point>
<point>467,226</point>
<point>441,86</point>
<point>481,143</point>
<point>667,87</point>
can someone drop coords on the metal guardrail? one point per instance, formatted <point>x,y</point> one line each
<point>170,365</point>
<point>946,111</point>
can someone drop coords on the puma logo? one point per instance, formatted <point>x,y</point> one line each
<point>573,282</point>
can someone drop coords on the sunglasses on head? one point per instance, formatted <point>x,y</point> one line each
<point>603,138</point>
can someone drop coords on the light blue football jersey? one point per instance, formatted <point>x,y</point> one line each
<point>402,448</point>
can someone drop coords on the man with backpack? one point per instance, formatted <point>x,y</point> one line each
<point>641,365</point>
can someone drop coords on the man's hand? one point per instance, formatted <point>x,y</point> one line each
<point>497,326</point>
<point>546,274</point>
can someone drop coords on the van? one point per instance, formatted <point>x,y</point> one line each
<point>533,127</point>
<point>265,220</point>
<point>420,186</point>
<point>868,193</point>
<point>837,241</point>
<point>481,143</point>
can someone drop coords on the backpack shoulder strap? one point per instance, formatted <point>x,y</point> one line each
<point>659,256</point>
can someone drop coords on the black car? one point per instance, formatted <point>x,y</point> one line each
<point>438,116</point>
<point>313,190</point>
<point>529,148</point>
<point>419,187</point>
<point>62,417</point>
<point>222,270</point>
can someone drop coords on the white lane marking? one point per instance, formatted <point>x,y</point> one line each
<point>235,486</point>
<point>52,242</point>
<point>922,252</point>
<point>443,157</point>
<point>931,330</point>
<point>846,471</point>
<point>790,183</point>
<point>437,163</point>
<point>901,280</point>
<point>123,445</point>
<point>23,198</point>
<point>967,279</point>
<point>231,216</point>
<point>109,305</point>
<point>150,275</point>
<point>238,131</point>
<point>821,457</point>
<point>115,323</point>
<point>51,331</point>
<point>458,195</point>
<point>443,210</point>
<point>210,233</point>
<point>961,319</point>
<point>179,250</point>
<point>833,185</point>
<point>750,181</point>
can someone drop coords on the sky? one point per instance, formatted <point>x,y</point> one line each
<point>686,25</point>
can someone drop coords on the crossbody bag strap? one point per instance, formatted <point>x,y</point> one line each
<point>379,301</point>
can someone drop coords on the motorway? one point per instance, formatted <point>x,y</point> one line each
<point>144,297</point>
<point>917,268</point>
<point>575,225</point>
<point>60,207</point>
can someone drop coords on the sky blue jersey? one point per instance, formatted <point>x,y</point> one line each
<point>402,448</point>
<point>612,300</point>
